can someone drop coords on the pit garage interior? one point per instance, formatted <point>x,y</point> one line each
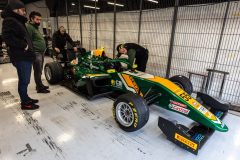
<point>196,39</point>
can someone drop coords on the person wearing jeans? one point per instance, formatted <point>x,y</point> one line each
<point>20,51</point>
<point>24,69</point>
<point>39,47</point>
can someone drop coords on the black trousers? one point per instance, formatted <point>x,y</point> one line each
<point>142,61</point>
<point>38,67</point>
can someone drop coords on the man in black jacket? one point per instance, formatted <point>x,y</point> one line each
<point>21,53</point>
<point>59,40</point>
<point>136,54</point>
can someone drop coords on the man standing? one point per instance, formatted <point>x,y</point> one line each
<point>60,38</point>
<point>21,53</point>
<point>39,47</point>
<point>135,53</point>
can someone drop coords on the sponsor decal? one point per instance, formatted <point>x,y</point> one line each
<point>130,83</point>
<point>178,104</point>
<point>186,141</point>
<point>135,124</point>
<point>118,84</point>
<point>185,96</point>
<point>130,103</point>
<point>197,106</point>
<point>198,137</point>
<point>194,103</point>
<point>207,113</point>
<point>203,110</point>
<point>177,108</point>
<point>135,86</point>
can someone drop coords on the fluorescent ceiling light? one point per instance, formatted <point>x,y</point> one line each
<point>152,1</point>
<point>117,4</point>
<point>73,4</point>
<point>94,0</point>
<point>92,7</point>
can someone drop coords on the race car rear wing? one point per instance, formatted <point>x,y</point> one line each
<point>192,139</point>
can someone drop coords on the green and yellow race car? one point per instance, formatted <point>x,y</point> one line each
<point>94,75</point>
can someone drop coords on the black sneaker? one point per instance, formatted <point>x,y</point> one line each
<point>43,91</point>
<point>42,87</point>
<point>45,87</point>
<point>29,106</point>
<point>33,100</point>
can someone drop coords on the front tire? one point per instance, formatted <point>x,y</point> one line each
<point>130,112</point>
<point>53,72</point>
<point>183,82</point>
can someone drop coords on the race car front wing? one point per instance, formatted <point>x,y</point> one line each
<point>192,139</point>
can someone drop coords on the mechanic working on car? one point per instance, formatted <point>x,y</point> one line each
<point>21,54</point>
<point>59,41</point>
<point>136,54</point>
<point>39,47</point>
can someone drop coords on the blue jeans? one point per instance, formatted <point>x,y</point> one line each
<point>24,69</point>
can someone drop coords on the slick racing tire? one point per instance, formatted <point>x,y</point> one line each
<point>53,72</point>
<point>183,82</point>
<point>130,112</point>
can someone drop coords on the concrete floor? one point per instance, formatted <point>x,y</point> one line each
<point>68,126</point>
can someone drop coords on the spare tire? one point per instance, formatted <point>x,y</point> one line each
<point>183,82</point>
<point>53,72</point>
<point>130,112</point>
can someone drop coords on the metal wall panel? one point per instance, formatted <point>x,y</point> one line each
<point>155,35</point>
<point>105,32</point>
<point>62,21</point>
<point>127,27</point>
<point>88,24</point>
<point>196,40</point>
<point>74,27</point>
<point>229,56</point>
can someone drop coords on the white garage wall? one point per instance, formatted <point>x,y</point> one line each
<point>229,55</point>
<point>155,35</point>
<point>127,27</point>
<point>105,32</point>
<point>88,27</point>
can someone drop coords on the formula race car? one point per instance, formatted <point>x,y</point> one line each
<point>94,74</point>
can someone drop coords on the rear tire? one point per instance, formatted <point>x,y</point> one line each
<point>130,112</point>
<point>183,82</point>
<point>53,72</point>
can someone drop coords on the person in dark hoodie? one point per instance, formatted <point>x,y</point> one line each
<point>15,35</point>
<point>59,40</point>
